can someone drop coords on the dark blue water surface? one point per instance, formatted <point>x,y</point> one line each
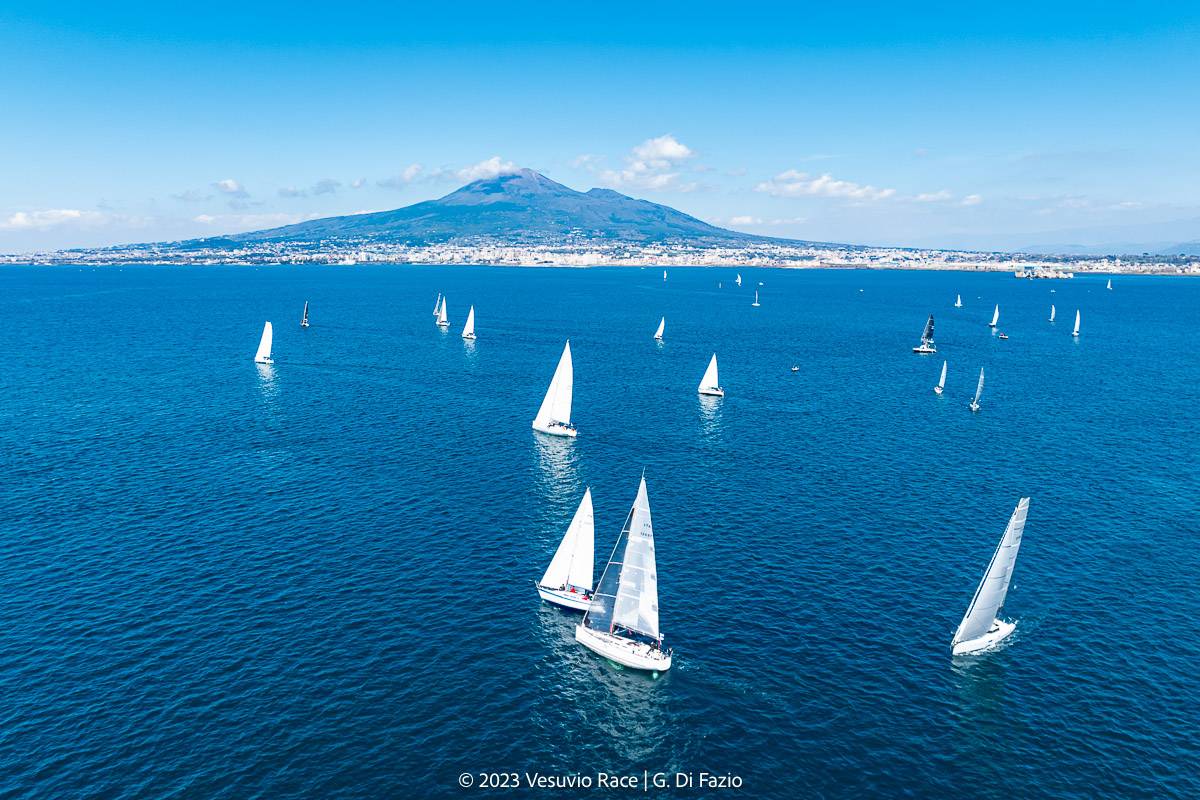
<point>316,580</point>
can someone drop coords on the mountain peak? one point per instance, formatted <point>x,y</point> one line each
<point>507,187</point>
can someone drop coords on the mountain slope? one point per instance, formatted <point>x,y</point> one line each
<point>520,206</point>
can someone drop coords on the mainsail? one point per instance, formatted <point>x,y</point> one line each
<point>437,304</point>
<point>989,596</point>
<point>556,405</point>
<point>942,380</point>
<point>572,562</point>
<point>627,595</point>
<point>979,386</point>
<point>1052,312</point>
<point>263,355</point>
<point>469,328</point>
<point>1076,331</point>
<point>658,334</point>
<point>995,315</point>
<point>927,334</point>
<point>304,318</point>
<point>442,320</point>
<point>709,381</point>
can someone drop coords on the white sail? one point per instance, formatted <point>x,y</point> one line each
<point>664,274</point>
<point>556,405</point>
<point>958,301</point>
<point>995,315</point>
<point>989,596</point>
<point>1076,331</point>
<point>1109,284</point>
<point>710,381</point>
<point>942,380</point>
<point>573,560</point>
<point>437,304</point>
<point>979,386</point>
<point>1052,312</point>
<point>739,279</point>
<point>662,325</point>
<point>469,328</point>
<point>755,303</point>
<point>442,319</point>
<point>263,356</point>
<point>304,317</point>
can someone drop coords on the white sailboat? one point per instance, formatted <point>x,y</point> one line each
<point>469,328</point>
<point>958,301</point>
<point>442,320</point>
<point>1052,312</point>
<point>554,415</point>
<point>662,326</point>
<point>664,276</point>
<point>263,356</point>
<point>755,303</point>
<point>304,318</point>
<point>1109,286</point>
<point>709,384</point>
<point>926,345</point>
<point>1075,332</point>
<point>437,304</point>
<point>982,627</point>
<point>738,280</point>
<point>941,384</point>
<point>974,406</point>
<point>568,580</point>
<point>995,317</point>
<point>621,623</point>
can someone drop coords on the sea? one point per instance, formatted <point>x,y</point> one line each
<point>316,579</point>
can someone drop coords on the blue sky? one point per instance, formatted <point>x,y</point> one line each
<point>914,124</point>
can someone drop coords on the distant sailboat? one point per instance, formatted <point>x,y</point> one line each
<point>1075,332</point>
<point>469,328</point>
<point>941,384</point>
<point>304,319</point>
<point>1109,286</point>
<point>755,303</point>
<point>738,281</point>
<point>1052,312</point>
<point>437,304</point>
<point>958,301</point>
<point>926,345</point>
<point>554,415</point>
<point>621,623</point>
<point>982,627</point>
<point>442,320</point>
<point>974,406</point>
<point>995,317</point>
<point>263,356</point>
<point>709,384</point>
<point>568,580</point>
<point>664,276</point>
<point>662,325</point>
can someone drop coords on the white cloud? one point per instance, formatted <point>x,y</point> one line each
<point>933,197</point>
<point>664,148</point>
<point>326,186</point>
<point>793,183</point>
<point>488,168</point>
<point>230,187</point>
<point>972,200</point>
<point>406,176</point>
<point>52,218</point>
<point>250,222</point>
<point>745,220</point>
<point>358,183</point>
<point>291,191</point>
<point>653,164</point>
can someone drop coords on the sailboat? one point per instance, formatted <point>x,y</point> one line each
<point>709,384</point>
<point>664,276</point>
<point>662,325</point>
<point>995,317</point>
<point>469,328</point>
<point>437,304</point>
<point>568,580</point>
<point>442,321</point>
<point>941,384</point>
<point>926,345</point>
<point>738,281</point>
<point>1075,332</point>
<point>982,627</point>
<point>958,301</point>
<point>263,356</point>
<point>621,623</point>
<point>974,406</point>
<point>1109,286</point>
<point>554,415</point>
<point>304,319</point>
<point>755,303</point>
<point>1052,312</point>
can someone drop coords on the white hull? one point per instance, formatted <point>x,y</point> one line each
<point>973,406</point>
<point>443,324</point>
<point>937,390</point>
<point>555,429</point>
<point>564,597</point>
<point>924,349</point>
<point>264,360</point>
<point>625,652</point>
<point>469,336</point>
<point>999,632</point>
<point>713,391</point>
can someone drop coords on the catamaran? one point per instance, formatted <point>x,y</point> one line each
<point>263,356</point>
<point>304,319</point>
<point>1052,312</point>
<point>621,622</point>
<point>662,326</point>
<point>568,580</point>
<point>926,345</point>
<point>1075,332</point>
<point>442,320</point>
<point>982,627</point>
<point>941,384</point>
<point>709,384</point>
<point>469,328</point>
<point>755,303</point>
<point>958,301</point>
<point>554,416</point>
<point>974,406</point>
<point>995,317</point>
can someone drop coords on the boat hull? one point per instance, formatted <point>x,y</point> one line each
<point>264,361</point>
<point>625,652</point>
<point>469,337</point>
<point>714,391</point>
<point>1001,631</point>
<point>565,598</point>
<point>938,390</point>
<point>973,406</point>
<point>555,430</point>
<point>924,349</point>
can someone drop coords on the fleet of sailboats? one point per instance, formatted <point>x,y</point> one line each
<point>263,356</point>
<point>926,345</point>
<point>567,581</point>
<point>981,628</point>
<point>304,318</point>
<point>554,415</point>
<point>974,406</point>
<point>621,622</point>
<point>941,384</point>
<point>710,384</point>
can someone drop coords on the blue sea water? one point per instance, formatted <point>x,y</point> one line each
<point>316,579</point>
